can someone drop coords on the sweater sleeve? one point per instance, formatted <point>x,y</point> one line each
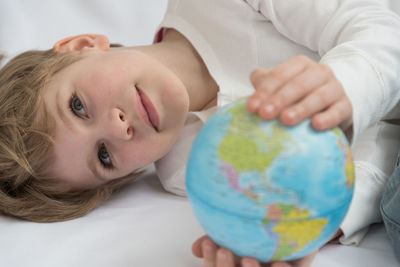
<point>375,155</point>
<point>358,39</point>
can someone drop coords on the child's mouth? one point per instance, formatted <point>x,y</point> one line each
<point>150,109</point>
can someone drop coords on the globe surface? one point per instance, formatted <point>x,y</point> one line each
<point>265,190</point>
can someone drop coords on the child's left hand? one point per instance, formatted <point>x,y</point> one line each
<point>215,256</point>
<point>300,88</point>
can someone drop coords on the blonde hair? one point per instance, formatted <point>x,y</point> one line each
<point>26,140</point>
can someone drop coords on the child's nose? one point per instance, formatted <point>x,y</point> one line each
<point>120,126</point>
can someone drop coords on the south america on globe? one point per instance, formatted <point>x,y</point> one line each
<point>266,190</point>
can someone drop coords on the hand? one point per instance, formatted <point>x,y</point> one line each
<point>300,88</point>
<point>215,256</point>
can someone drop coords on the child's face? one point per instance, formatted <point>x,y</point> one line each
<point>105,124</point>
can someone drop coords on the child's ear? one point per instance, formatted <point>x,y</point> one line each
<point>83,42</point>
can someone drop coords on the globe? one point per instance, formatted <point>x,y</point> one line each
<point>266,190</point>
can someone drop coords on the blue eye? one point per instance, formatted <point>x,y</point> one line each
<point>77,107</point>
<point>104,157</point>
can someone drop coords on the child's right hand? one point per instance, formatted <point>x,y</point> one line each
<point>214,256</point>
<point>300,88</point>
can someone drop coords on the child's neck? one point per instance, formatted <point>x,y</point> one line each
<point>178,54</point>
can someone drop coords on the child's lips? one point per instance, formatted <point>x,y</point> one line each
<point>149,108</point>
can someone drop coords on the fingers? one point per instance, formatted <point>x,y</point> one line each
<point>338,114</point>
<point>250,262</point>
<point>322,98</point>
<point>298,89</point>
<point>210,253</point>
<point>214,256</point>
<point>275,101</point>
<point>205,248</point>
<point>225,258</point>
<point>196,247</point>
<point>267,82</point>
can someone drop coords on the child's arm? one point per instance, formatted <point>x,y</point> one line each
<point>300,88</point>
<point>358,40</point>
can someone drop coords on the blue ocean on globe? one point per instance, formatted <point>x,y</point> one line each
<point>265,190</point>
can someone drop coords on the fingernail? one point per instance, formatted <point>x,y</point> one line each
<point>269,109</point>
<point>291,115</point>
<point>254,103</point>
<point>319,123</point>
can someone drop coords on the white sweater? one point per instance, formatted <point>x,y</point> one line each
<point>358,39</point>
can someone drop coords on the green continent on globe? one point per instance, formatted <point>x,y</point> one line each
<point>253,150</point>
<point>293,227</point>
<point>247,147</point>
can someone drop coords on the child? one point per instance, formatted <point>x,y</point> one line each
<point>81,116</point>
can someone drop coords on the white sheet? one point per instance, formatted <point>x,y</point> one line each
<point>142,225</point>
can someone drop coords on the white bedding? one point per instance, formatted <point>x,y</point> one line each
<point>141,225</point>
<point>145,226</point>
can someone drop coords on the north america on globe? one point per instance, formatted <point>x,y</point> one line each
<point>266,190</point>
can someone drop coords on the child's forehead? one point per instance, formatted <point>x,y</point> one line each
<point>44,122</point>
